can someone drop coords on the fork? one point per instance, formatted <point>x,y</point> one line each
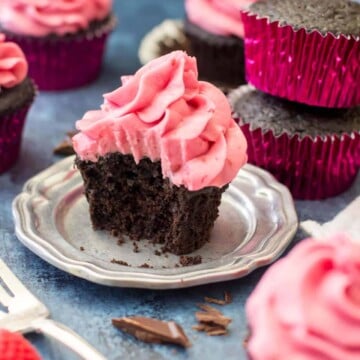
<point>27,314</point>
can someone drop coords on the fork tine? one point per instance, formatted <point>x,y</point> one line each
<point>12,282</point>
<point>5,298</point>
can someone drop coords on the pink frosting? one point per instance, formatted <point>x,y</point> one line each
<point>307,305</point>
<point>13,65</point>
<point>44,17</point>
<point>164,113</point>
<point>220,17</point>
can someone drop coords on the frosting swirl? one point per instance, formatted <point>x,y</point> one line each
<point>44,17</point>
<point>307,305</point>
<point>13,65</point>
<point>220,17</point>
<point>164,113</point>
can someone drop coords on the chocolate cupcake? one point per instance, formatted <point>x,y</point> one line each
<point>17,92</point>
<point>215,32</point>
<point>314,151</point>
<point>309,303</point>
<point>63,41</point>
<point>159,154</point>
<point>306,52</point>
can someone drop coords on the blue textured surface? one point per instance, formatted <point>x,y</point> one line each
<point>88,308</point>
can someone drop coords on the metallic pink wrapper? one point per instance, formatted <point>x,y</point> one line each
<point>11,128</point>
<point>64,63</point>
<point>301,66</point>
<point>311,168</point>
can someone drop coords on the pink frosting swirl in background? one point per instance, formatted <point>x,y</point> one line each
<point>44,17</point>
<point>307,305</point>
<point>13,65</point>
<point>220,17</point>
<point>164,113</point>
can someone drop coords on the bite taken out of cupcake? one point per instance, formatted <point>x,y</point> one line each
<point>64,41</point>
<point>307,305</point>
<point>215,32</point>
<point>17,92</point>
<point>158,155</point>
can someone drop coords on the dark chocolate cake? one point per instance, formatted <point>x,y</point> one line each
<point>116,188</point>
<point>16,97</point>
<point>335,16</point>
<point>220,58</point>
<point>268,112</point>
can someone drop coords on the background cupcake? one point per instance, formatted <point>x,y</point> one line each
<point>313,151</point>
<point>307,305</point>
<point>16,95</point>
<point>64,41</point>
<point>215,32</point>
<point>305,51</point>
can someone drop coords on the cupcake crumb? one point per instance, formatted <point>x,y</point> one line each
<point>119,262</point>
<point>190,260</point>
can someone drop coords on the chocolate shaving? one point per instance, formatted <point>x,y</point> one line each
<point>214,301</point>
<point>207,328</point>
<point>227,299</point>
<point>211,321</point>
<point>65,147</point>
<point>217,332</point>
<point>153,330</point>
<point>209,309</point>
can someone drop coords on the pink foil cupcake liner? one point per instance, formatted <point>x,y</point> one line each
<point>311,168</point>
<point>64,63</point>
<point>306,67</point>
<point>11,128</point>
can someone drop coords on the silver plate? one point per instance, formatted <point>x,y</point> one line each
<point>256,223</point>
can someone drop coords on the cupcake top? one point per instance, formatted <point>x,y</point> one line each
<point>13,65</point>
<point>45,17</point>
<point>268,112</point>
<point>164,113</point>
<point>220,17</point>
<point>307,305</point>
<point>334,16</point>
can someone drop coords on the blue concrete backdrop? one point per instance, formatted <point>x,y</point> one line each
<point>86,307</point>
